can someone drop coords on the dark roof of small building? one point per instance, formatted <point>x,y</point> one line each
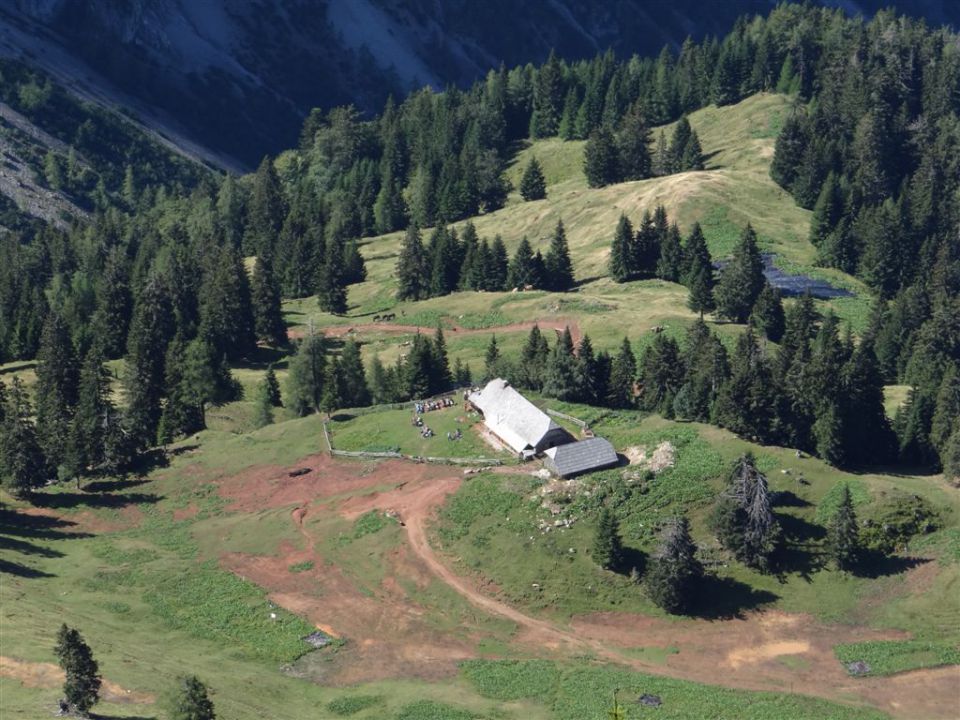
<point>582,456</point>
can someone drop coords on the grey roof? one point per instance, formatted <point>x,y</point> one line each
<point>581,456</point>
<point>511,417</point>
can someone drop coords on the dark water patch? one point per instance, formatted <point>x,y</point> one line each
<point>795,285</point>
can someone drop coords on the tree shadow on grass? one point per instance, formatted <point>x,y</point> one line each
<point>23,547</point>
<point>788,498</point>
<point>800,554</point>
<point>98,716</point>
<point>875,564</point>
<point>8,567</point>
<point>723,598</point>
<point>61,500</point>
<point>41,527</point>
<point>632,559</point>
<point>106,486</point>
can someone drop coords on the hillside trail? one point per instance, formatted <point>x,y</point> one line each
<point>750,665</point>
<point>556,324</point>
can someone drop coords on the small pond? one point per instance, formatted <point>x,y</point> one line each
<point>794,285</point>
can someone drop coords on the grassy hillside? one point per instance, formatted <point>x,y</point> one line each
<point>734,189</point>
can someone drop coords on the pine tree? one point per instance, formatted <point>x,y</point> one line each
<point>767,314</point>
<point>333,387</point>
<point>587,383</point>
<point>22,465</point>
<point>412,280</point>
<point>670,262</point>
<point>741,281</point>
<point>94,414</point>
<point>491,360</point>
<point>692,157</point>
<point>559,268</point>
<point>533,359</point>
<point>114,304</point>
<point>678,144</point>
<point>789,150</point>
<point>646,246</point>
<point>266,210</point>
<point>600,163</point>
<point>633,145</point>
<point>827,212</point>
<point>744,519</point>
<point>661,164</point>
<point>331,280</point>
<point>607,546</point>
<point>843,536</point>
<point>144,378</point>
<point>442,379</point>
<point>559,378</point>
<point>355,389</point>
<point>305,379</point>
<point>828,432</point>
<point>621,251</point>
<point>523,270</point>
<point>189,701</point>
<point>273,386</point>
<point>696,256</point>
<point>623,373</point>
<point>746,404</point>
<point>497,277</point>
<point>56,388</point>
<point>265,300</point>
<point>661,374</point>
<point>533,186</point>
<point>700,298</point>
<point>354,267</point>
<point>206,378</point>
<point>263,406</point>
<point>673,578</point>
<point>419,371</point>
<point>461,373</point>
<point>226,313</point>
<point>82,686</point>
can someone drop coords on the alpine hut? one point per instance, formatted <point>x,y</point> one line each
<point>517,421</point>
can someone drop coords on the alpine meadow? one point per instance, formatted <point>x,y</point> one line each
<point>527,384</point>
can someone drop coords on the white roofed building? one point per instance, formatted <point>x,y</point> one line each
<point>515,420</point>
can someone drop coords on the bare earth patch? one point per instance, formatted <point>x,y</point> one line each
<point>48,675</point>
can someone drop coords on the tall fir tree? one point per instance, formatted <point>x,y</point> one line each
<point>189,700</point>
<point>226,313</point>
<point>600,162</point>
<point>670,262</point>
<point>355,389</point>
<point>621,251</point>
<point>331,281</point>
<point>743,518</point>
<point>559,267</point>
<point>607,545</point>
<point>56,388</point>
<point>412,278</point>
<point>843,534</point>
<point>767,315</point>
<point>623,374</point>
<point>305,379</point>
<point>22,465</point>
<point>491,360</point>
<point>81,687</point>
<point>560,375</point>
<point>633,145</point>
<point>674,576</point>
<point>533,359</point>
<point>265,299</point>
<point>263,405</point>
<point>266,210</point>
<point>533,186</point>
<point>661,375</point>
<point>741,281</point>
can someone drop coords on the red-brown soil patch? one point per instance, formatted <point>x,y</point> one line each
<point>185,513</point>
<point>48,675</point>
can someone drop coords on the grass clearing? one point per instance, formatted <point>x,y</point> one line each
<point>887,658</point>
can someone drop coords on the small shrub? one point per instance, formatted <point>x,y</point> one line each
<point>351,705</point>
<point>301,566</point>
<point>896,520</point>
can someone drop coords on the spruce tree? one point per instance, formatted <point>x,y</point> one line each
<point>305,379</point>
<point>56,388</point>
<point>607,546</point>
<point>355,389</point>
<point>497,277</point>
<point>266,210</point>
<point>265,299</point>
<point>950,456</point>
<point>226,314</point>
<point>673,578</point>
<point>354,267</point>
<point>741,281</point>
<point>189,700</point>
<point>441,377</point>
<point>331,282</point>
<point>491,360</point>
<point>633,145</point>
<point>661,374</point>
<point>789,150</point>
<point>559,378</point>
<point>746,403</point>
<point>767,314</point>
<point>461,373</point>
<point>533,359</point>
<point>843,536</point>
<point>523,270</point>
<point>621,251</point>
<point>587,383</point>
<point>670,262</point>
<point>144,378</point>
<point>81,688</point>
<point>678,144</point>
<point>263,406</point>
<point>559,268</point>
<point>700,298</point>
<point>114,304</point>
<point>743,518</point>
<point>692,157</point>
<point>333,387</point>
<point>646,246</point>
<point>412,279</point>
<point>623,373</point>
<point>696,256</point>
<point>600,162</point>
<point>661,163</point>
<point>94,415</point>
<point>826,213</point>
<point>828,434</point>
<point>273,385</point>
<point>419,371</point>
<point>533,186</point>
<point>22,465</point>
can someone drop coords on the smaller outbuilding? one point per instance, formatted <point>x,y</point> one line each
<point>580,457</point>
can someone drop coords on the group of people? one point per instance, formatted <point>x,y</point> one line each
<point>424,406</point>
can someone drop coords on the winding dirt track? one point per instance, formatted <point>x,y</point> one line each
<point>556,324</point>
